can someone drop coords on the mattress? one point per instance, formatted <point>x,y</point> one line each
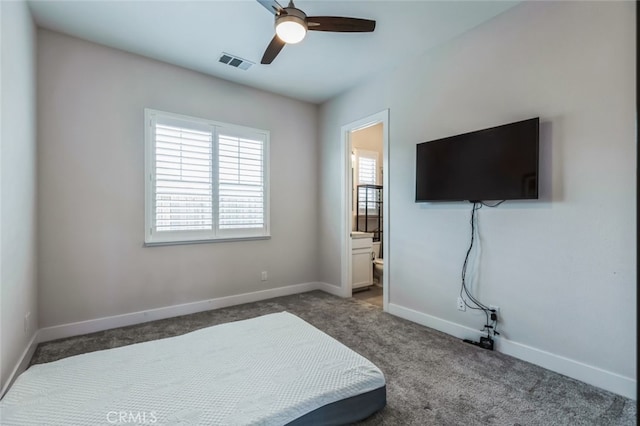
<point>270,370</point>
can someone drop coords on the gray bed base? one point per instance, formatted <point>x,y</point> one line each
<point>345,411</point>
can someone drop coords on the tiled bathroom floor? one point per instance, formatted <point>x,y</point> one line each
<point>373,295</point>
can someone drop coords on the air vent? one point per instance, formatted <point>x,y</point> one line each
<point>234,61</point>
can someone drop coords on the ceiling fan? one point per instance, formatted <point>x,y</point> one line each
<point>292,25</point>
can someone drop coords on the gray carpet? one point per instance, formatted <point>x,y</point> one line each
<point>432,378</point>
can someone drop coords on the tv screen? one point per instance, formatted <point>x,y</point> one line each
<point>500,163</point>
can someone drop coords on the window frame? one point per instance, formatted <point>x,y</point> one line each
<point>215,234</point>
<point>374,155</point>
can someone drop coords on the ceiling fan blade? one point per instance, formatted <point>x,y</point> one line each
<point>272,51</point>
<point>272,6</point>
<point>340,25</point>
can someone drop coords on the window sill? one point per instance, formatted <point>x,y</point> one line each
<point>217,240</point>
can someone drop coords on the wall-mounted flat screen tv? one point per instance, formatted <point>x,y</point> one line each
<point>499,163</point>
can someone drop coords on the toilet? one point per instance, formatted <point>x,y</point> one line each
<point>378,263</point>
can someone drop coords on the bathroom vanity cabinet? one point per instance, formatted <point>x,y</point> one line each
<point>361,260</point>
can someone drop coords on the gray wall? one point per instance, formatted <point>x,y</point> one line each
<point>563,268</point>
<point>91,199</point>
<point>17,184</point>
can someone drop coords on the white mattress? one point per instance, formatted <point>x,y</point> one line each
<point>268,370</point>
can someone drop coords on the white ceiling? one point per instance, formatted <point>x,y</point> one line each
<point>192,34</point>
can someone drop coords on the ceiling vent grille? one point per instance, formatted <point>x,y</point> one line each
<point>234,61</point>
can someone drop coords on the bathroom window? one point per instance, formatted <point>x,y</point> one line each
<point>367,162</point>
<point>205,180</point>
<point>367,166</point>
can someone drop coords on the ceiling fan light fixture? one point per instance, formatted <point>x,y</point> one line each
<point>291,25</point>
<point>291,28</point>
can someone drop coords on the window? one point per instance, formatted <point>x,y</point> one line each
<point>205,180</point>
<point>367,162</point>
<point>367,169</point>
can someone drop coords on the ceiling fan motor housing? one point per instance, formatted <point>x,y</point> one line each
<point>292,17</point>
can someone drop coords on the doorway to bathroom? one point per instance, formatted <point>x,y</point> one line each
<point>365,251</point>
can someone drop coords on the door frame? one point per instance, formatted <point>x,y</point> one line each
<point>346,181</point>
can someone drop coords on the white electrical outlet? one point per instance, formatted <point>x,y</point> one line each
<point>263,276</point>
<point>494,307</point>
<point>461,305</point>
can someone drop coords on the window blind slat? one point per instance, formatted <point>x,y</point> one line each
<point>183,143</point>
<point>182,156</point>
<point>178,161</point>
<point>185,167</point>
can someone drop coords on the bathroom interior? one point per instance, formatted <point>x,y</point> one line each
<point>366,214</point>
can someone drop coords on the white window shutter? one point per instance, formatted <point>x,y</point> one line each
<point>241,192</point>
<point>183,186</point>
<point>367,175</point>
<point>206,180</point>
<point>367,170</point>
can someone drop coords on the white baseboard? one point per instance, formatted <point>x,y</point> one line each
<point>595,376</point>
<point>22,364</point>
<point>99,324</point>
<point>331,289</point>
<point>106,323</point>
